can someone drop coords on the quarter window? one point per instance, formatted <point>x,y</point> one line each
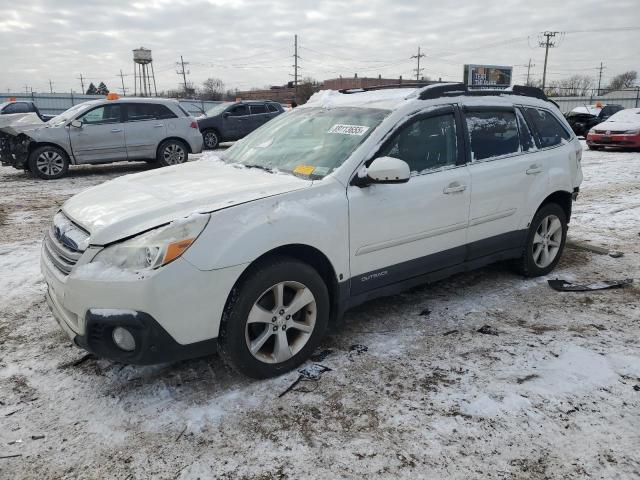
<point>256,109</point>
<point>492,134</point>
<point>425,144</point>
<point>103,114</point>
<point>272,107</point>
<point>550,131</point>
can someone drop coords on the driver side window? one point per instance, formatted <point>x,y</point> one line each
<point>100,115</point>
<point>426,144</point>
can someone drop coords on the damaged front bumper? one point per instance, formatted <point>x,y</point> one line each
<point>14,151</point>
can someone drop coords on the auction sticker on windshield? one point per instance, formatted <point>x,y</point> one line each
<point>304,169</point>
<point>358,130</point>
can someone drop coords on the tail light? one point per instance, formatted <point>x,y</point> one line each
<point>194,125</point>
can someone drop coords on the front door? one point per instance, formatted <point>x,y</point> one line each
<point>238,123</point>
<point>259,115</point>
<point>101,136</point>
<point>400,231</point>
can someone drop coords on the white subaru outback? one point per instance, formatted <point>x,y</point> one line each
<point>355,195</point>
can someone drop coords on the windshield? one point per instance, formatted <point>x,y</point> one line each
<point>218,109</point>
<point>630,115</point>
<point>69,114</point>
<point>311,142</point>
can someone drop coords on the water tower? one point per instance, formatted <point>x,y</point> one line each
<point>142,78</point>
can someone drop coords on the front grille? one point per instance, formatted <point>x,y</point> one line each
<point>610,132</point>
<point>64,243</point>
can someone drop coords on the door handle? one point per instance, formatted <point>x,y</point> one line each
<point>116,130</point>
<point>158,126</point>
<point>534,169</point>
<point>454,188</point>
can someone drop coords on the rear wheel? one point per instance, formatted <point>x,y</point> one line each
<point>593,147</point>
<point>274,319</point>
<point>172,152</point>
<point>545,241</point>
<point>48,162</point>
<point>211,139</point>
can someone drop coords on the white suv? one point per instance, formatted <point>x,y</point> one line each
<point>355,195</point>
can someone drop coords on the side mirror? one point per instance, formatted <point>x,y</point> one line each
<point>226,115</point>
<point>76,124</point>
<point>388,170</point>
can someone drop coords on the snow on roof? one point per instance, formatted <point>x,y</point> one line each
<point>386,98</point>
<point>628,115</point>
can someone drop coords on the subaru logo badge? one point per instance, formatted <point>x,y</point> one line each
<point>608,132</point>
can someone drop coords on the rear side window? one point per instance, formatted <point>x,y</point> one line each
<point>492,134</point>
<point>148,111</point>
<point>550,131</point>
<point>425,144</point>
<point>17,107</point>
<point>526,138</point>
<point>256,109</point>
<point>238,111</point>
<point>272,107</point>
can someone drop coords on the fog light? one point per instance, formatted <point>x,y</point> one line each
<point>124,339</point>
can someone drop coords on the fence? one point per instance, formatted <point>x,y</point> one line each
<point>567,104</point>
<point>55,103</point>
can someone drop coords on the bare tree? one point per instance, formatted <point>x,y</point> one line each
<point>574,86</point>
<point>212,89</point>
<point>623,80</point>
<point>306,87</point>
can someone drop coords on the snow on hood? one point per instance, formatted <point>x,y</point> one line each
<point>629,116</point>
<point>588,109</point>
<point>16,123</point>
<point>135,203</point>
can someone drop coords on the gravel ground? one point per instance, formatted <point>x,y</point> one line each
<point>551,390</point>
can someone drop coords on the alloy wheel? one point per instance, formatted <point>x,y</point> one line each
<point>547,240</point>
<point>50,163</point>
<point>173,154</point>
<point>211,140</point>
<point>281,322</point>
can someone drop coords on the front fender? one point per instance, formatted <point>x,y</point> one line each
<point>317,217</point>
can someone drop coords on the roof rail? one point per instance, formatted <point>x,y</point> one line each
<point>383,87</point>
<point>442,89</point>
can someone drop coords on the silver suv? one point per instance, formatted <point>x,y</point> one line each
<point>104,131</point>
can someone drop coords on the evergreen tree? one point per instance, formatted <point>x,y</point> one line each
<point>102,89</point>
<point>92,90</point>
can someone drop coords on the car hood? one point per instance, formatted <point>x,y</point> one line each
<point>618,126</point>
<point>17,123</point>
<point>135,203</point>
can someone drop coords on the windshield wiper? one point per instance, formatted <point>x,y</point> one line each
<point>266,169</point>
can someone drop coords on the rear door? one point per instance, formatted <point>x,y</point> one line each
<point>101,136</point>
<point>400,231</point>
<point>145,128</point>
<point>238,123</point>
<point>509,175</point>
<point>259,115</point>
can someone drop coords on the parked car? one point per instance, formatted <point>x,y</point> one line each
<point>104,131</point>
<point>322,209</point>
<point>582,119</point>
<point>621,130</point>
<point>21,106</point>
<point>229,121</point>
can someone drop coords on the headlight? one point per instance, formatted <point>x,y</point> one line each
<point>156,247</point>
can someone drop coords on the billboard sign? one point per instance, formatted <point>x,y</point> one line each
<point>487,76</point>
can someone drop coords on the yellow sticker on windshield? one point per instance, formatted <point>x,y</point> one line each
<point>304,169</point>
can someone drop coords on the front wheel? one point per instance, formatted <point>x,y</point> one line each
<point>274,319</point>
<point>545,241</point>
<point>172,152</point>
<point>48,162</point>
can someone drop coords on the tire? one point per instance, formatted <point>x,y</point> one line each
<point>172,152</point>
<point>591,147</point>
<point>211,139</point>
<point>48,162</point>
<point>534,261</point>
<point>274,322</point>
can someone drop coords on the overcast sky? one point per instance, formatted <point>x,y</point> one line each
<point>249,43</point>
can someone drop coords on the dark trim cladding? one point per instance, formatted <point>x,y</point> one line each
<point>437,265</point>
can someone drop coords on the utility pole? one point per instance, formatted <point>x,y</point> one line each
<point>529,71</point>
<point>547,43</point>
<point>600,76</point>
<point>418,70</point>
<point>295,64</point>
<point>82,84</point>
<point>124,90</point>
<point>182,71</point>
<point>26,89</point>
<point>50,86</point>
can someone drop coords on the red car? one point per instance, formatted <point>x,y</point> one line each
<point>621,130</point>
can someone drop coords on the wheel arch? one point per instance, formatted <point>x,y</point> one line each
<point>306,254</point>
<point>562,198</point>
<point>34,145</point>
<point>174,137</point>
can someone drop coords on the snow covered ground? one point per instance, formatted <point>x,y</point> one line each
<point>555,394</point>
